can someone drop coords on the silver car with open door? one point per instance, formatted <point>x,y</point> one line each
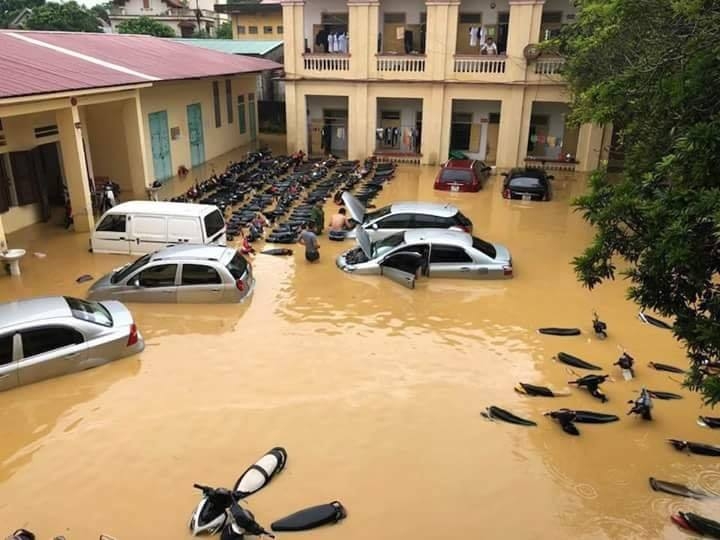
<point>429,252</point>
<point>402,216</point>
<point>42,338</point>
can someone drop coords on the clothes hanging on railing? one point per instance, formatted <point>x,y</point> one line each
<point>342,43</point>
<point>473,36</point>
<point>379,135</point>
<point>416,140</point>
<point>395,136</point>
<point>321,40</point>
<point>408,41</point>
<point>388,135</point>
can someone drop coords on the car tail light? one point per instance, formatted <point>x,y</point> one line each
<point>507,271</point>
<point>466,228</point>
<point>240,285</point>
<point>506,193</point>
<point>133,337</point>
<point>436,185</point>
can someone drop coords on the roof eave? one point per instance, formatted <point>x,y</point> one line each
<point>24,98</point>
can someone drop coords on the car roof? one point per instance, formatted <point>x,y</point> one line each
<point>193,252</point>
<point>417,207</point>
<point>528,172</point>
<point>162,208</point>
<point>33,309</point>
<point>438,236</point>
<point>459,164</point>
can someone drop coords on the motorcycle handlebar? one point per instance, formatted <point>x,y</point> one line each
<point>202,488</point>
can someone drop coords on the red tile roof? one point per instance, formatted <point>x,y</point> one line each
<point>48,62</point>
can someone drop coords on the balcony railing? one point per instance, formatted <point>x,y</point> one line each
<point>549,66</point>
<point>401,63</point>
<point>479,64</point>
<point>326,62</point>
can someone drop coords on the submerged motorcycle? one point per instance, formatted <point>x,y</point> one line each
<point>210,515</point>
<point>220,510</point>
<point>642,405</point>
<point>599,327</point>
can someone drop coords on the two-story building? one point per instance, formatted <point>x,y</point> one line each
<point>410,79</point>
<point>254,19</point>
<point>185,17</point>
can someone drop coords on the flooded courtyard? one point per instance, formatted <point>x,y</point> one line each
<point>374,390</point>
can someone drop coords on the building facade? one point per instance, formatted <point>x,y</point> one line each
<point>409,79</point>
<point>182,16</point>
<point>254,19</point>
<point>121,108</point>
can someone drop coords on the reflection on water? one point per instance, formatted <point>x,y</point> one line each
<point>375,391</point>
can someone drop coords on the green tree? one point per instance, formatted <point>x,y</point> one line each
<point>102,11</point>
<point>68,16</point>
<point>224,31</point>
<point>147,26</point>
<point>651,66</point>
<point>9,9</point>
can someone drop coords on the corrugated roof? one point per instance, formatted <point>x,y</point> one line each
<point>48,62</point>
<point>233,46</point>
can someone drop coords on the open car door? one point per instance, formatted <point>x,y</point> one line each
<point>402,267</point>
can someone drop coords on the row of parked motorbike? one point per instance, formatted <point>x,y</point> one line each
<point>273,185</point>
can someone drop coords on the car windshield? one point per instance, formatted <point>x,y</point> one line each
<point>237,266</point>
<point>484,247</point>
<point>383,246</point>
<point>526,182</point>
<point>92,312</point>
<point>214,223</point>
<point>380,212</point>
<point>458,176</point>
<point>129,269</point>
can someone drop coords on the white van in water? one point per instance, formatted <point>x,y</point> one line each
<point>138,227</point>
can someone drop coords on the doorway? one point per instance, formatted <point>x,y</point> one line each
<point>460,131</point>
<point>195,134</point>
<point>160,145</point>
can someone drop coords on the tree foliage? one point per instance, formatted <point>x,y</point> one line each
<point>653,67</point>
<point>102,11</point>
<point>68,16</point>
<point>9,9</point>
<point>147,26</point>
<point>224,31</point>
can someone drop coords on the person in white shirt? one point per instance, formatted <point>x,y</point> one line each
<point>489,47</point>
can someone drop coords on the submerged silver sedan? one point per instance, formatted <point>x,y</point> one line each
<point>430,252</point>
<point>47,337</point>
<point>186,274</point>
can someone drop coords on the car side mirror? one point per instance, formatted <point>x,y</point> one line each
<point>551,177</point>
<point>374,226</point>
<point>503,174</point>
<point>487,169</point>
<point>135,282</point>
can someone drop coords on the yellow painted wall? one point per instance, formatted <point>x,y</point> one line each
<point>107,146</point>
<point>175,97</point>
<point>260,20</point>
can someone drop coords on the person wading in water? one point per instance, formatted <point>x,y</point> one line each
<point>309,239</point>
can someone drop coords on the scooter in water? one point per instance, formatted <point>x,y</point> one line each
<point>210,515</point>
<point>642,405</point>
<point>241,522</point>
<point>626,363</point>
<point>599,327</point>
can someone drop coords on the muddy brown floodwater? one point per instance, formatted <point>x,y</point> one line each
<point>374,390</point>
